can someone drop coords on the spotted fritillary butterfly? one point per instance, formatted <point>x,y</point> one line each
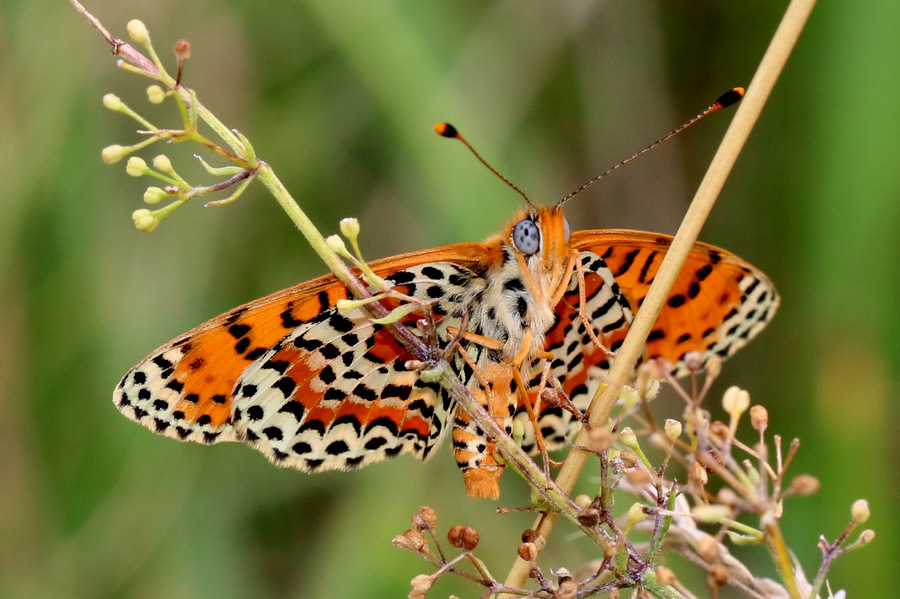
<point>316,389</point>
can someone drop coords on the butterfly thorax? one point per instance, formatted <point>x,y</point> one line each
<point>526,270</point>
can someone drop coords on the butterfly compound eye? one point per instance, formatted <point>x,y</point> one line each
<point>526,237</point>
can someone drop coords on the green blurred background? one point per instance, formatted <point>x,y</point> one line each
<point>340,98</point>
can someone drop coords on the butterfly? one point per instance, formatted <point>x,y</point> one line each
<point>315,387</point>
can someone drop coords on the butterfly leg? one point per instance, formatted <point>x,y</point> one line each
<point>582,302</point>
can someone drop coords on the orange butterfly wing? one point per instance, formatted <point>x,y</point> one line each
<point>718,303</point>
<point>186,388</point>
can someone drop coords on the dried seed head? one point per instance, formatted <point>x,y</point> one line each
<point>562,574</point>
<point>860,511</point>
<point>589,517</point>
<point>566,590</point>
<point>659,440</point>
<point>698,474</point>
<point>421,584</point>
<point>424,519</point>
<point>718,575</point>
<point>665,576</point>
<point>529,535</point>
<point>719,429</point>
<point>727,496</point>
<point>528,552</point>
<point>411,539</point>
<point>713,368</point>
<point>600,439</point>
<point>693,361</point>
<point>759,417</point>
<point>804,485</point>
<point>463,537</point>
<point>182,50</point>
<point>611,549</point>
<point>629,459</point>
<point>551,398</point>
<point>638,477</point>
<point>708,549</point>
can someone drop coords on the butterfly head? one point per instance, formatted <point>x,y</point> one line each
<point>540,234</point>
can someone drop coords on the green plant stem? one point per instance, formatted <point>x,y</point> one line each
<point>781,556</point>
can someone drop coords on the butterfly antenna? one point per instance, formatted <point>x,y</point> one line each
<point>732,96</point>
<point>448,130</point>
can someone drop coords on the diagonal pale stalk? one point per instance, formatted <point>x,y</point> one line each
<point>758,91</point>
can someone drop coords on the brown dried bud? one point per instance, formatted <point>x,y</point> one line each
<point>727,496</point>
<point>183,50</point>
<point>528,552</point>
<point>566,590</point>
<point>562,574</point>
<point>611,549</point>
<point>718,576</point>
<point>665,576</point>
<point>708,549</point>
<point>804,485</point>
<point>638,477</point>
<point>589,517</point>
<point>698,473</point>
<point>719,429</point>
<point>600,439</point>
<point>463,537</point>
<point>759,418</point>
<point>421,584</point>
<point>629,459</point>
<point>551,398</point>
<point>693,361</point>
<point>531,536</point>
<point>411,539</point>
<point>424,519</point>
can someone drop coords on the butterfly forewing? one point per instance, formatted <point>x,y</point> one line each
<point>309,387</point>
